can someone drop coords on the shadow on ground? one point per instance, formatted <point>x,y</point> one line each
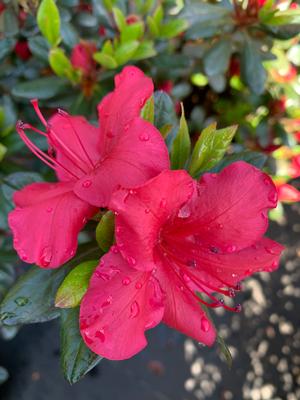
<point>264,340</point>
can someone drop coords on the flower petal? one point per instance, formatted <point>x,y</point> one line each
<point>75,142</point>
<point>139,154</point>
<point>182,309</point>
<point>142,212</point>
<point>229,209</point>
<point>119,108</point>
<point>120,304</point>
<point>46,223</point>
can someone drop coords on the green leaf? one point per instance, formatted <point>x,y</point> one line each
<point>105,60</point>
<point>41,88</point>
<point>119,18</point>
<point>6,46</point>
<point>147,112</point>
<point>107,48</point>
<point>216,59</point>
<point>11,27</point>
<point>31,298</point>
<point>224,350</point>
<point>48,21</point>
<point>7,272</point>
<point>39,47</point>
<point>105,231</point>
<point>3,375</point>
<point>3,151</point>
<point>125,51</point>
<point>8,186</point>
<point>181,148</point>
<point>76,359</point>
<point>61,65</point>
<point>164,110</point>
<point>251,157</point>
<point>132,32</point>
<point>75,285</point>
<point>145,50</point>
<point>69,34</point>
<point>153,28</point>
<point>158,15</point>
<point>210,148</point>
<point>173,28</point>
<point>253,73</point>
<point>282,32</point>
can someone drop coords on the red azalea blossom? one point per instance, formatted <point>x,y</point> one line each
<point>90,163</point>
<point>175,237</point>
<point>82,57</point>
<point>288,193</point>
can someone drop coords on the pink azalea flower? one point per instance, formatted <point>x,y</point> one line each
<point>82,57</point>
<point>175,237</point>
<point>90,163</point>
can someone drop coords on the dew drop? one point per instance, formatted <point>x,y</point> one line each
<point>45,257</point>
<point>234,275</point>
<point>186,278</point>
<point>100,335</point>
<point>107,302</point>
<point>270,250</point>
<point>115,249</point>
<point>126,127</point>
<point>49,209</point>
<point>138,285</point>
<point>131,191</point>
<point>163,202</point>
<point>273,197</point>
<point>126,281</point>
<point>192,263</point>
<point>86,184</point>
<point>134,309</point>
<point>184,212</point>
<point>21,301</point>
<point>231,249</point>
<point>131,260</point>
<point>147,210</point>
<point>144,137</point>
<point>220,226</point>
<point>204,324</point>
<point>214,250</point>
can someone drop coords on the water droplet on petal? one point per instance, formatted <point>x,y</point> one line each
<point>184,212</point>
<point>273,196</point>
<point>220,226</point>
<point>147,210</point>
<point>144,137</point>
<point>86,184</point>
<point>131,260</point>
<point>270,250</point>
<point>134,309</point>
<point>138,285</point>
<point>126,127</point>
<point>234,275</point>
<point>214,249</point>
<point>231,249</point>
<point>126,281</point>
<point>186,278</point>
<point>192,263</point>
<point>163,202</point>
<point>49,209</point>
<point>100,335</point>
<point>45,257</point>
<point>275,264</point>
<point>205,324</point>
<point>115,249</point>
<point>107,302</point>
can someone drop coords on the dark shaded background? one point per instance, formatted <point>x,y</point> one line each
<point>264,340</point>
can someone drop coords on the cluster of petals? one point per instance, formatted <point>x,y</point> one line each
<point>90,163</point>
<point>179,243</point>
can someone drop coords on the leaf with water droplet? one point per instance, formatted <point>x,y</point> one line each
<point>39,286</point>
<point>105,231</point>
<point>75,285</point>
<point>76,359</point>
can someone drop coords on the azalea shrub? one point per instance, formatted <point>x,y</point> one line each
<point>144,147</point>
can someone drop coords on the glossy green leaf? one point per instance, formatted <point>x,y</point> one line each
<point>164,110</point>
<point>105,231</point>
<point>210,148</point>
<point>125,51</point>
<point>31,298</point>
<point>11,26</point>
<point>216,59</point>
<point>147,112</point>
<point>181,148</point>
<point>172,28</point>
<point>153,27</point>
<point>253,73</point>
<point>145,50</point>
<point>41,88</point>
<point>48,21</point>
<point>76,359</point>
<point>3,375</point>
<point>158,15</point>
<point>252,157</point>
<point>75,285</point>
<point>6,46</point>
<point>39,47</point>
<point>105,60</point>
<point>61,65</point>
<point>120,19</point>
<point>132,32</point>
